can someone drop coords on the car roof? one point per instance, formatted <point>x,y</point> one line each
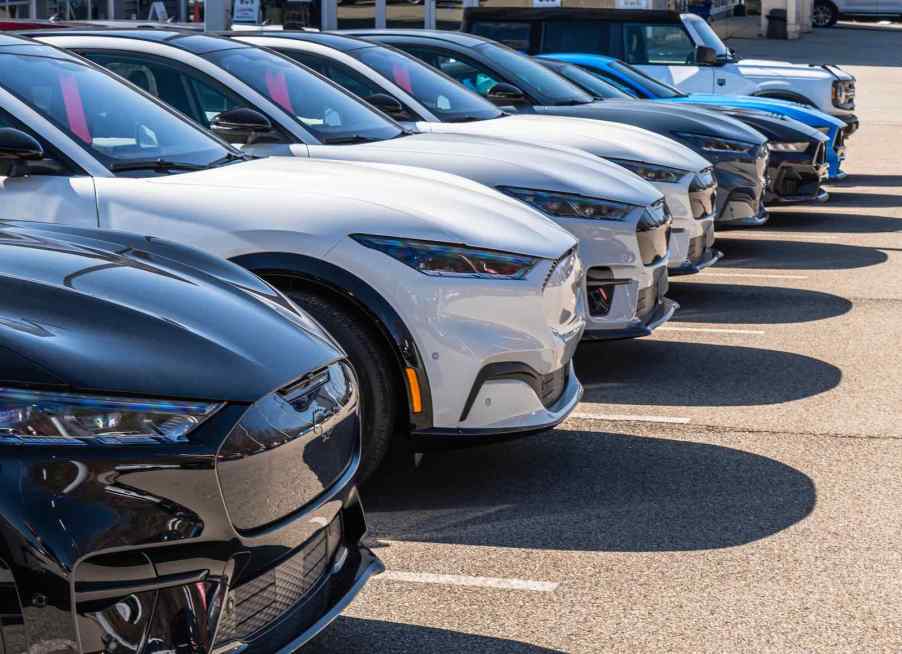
<point>19,45</point>
<point>339,42</point>
<point>187,40</point>
<point>554,13</point>
<point>458,38</point>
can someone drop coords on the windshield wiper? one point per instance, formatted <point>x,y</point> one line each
<point>351,138</point>
<point>161,165</point>
<point>465,119</point>
<point>228,158</point>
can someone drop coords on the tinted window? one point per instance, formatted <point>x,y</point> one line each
<point>441,95</point>
<point>570,36</point>
<point>329,113</point>
<point>652,87</point>
<point>536,80</point>
<point>103,115</point>
<point>199,99</point>
<point>657,44</point>
<point>513,35</point>
<point>345,77</point>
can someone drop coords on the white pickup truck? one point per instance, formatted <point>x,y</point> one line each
<point>680,49</point>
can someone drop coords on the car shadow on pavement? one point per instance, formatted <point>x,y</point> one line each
<point>649,372</point>
<point>591,491</point>
<point>358,636</point>
<point>831,223</point>
<point>737,304</point>
<point>892,181</point>
<point>766,254</point>
<point>864,199</point>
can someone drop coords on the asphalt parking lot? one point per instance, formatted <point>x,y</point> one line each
<point>731,484</point>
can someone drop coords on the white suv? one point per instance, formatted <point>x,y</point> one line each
<point>459,306</point>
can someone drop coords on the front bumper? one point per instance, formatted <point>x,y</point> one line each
<point>161,563</point>
<point>852,123</point>
<point>662,312</point>
<point>742,182</point>
<point>797,177</point>
<point>494,383</point>
<point>709,257</point>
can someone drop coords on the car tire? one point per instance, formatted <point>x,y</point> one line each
<point>376,373</point>
<point>824,14</point>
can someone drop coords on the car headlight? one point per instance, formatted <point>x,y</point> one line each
<point>28,416</point>
<point>844,94</point>
<point>448,260</point>
<point>714,144</point>
<point>777,146</point>
<point>569,205</point>
<point>652,173</point>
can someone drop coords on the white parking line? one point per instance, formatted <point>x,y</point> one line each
<point>751,275</point>
<point>610,417</point>
<point>465,580</point>
<point>712,330</point>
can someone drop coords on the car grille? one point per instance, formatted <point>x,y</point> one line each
<point>653,233</point>
<point>839,145</point>
<point>260,602</point>
<point>552,386</point>
<point>820,156</point>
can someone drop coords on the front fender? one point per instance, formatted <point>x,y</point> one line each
<point>335,281</point>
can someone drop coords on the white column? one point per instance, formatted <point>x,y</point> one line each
<point>429,14</point>
<point>792,19</point>
<point>215,15</point>
<point>807,9</point>
<point>329,11</point>
<point>380,14</point>
<point>33,8</point>
<point>110,9</point>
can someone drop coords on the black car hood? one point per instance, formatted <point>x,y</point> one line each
<point>662,119</point>
<point>106,312</point>
<point>773,126</point>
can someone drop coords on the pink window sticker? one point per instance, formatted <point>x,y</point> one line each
<point>401,77</point>
<point>75,110</point>
<point>277,87</point>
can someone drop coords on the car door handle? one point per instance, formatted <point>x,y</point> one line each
<point>721,81</point>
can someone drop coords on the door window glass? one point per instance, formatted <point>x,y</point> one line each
<point>657,44</point>
<point>466,71</point>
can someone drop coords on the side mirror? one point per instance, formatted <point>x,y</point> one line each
<point>387,104</point>
<point>17,148</point>
<point>503,93</point>
<point>705,56</point>
<point>240,124</point>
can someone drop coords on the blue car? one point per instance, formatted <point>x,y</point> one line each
<point>637,84</point>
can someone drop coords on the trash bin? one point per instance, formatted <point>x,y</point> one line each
<point>776,24</point>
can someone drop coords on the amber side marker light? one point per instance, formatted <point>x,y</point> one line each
<point>416,401</point>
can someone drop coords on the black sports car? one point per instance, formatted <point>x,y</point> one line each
<point>179,445</point>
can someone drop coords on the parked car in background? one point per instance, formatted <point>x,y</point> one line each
<point>289,98</point>
<point>401,265</point>
<point>519,84</point>
<point>679,49</point>
<point>798,161</point>
<point>379,72</point>
<point>632,81</point>
<point>827,12</point>
<point>179,446</point>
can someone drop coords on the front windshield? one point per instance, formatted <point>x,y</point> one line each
<point>592,84</point>
<point>330,114</point>
<point>449,101</point>
<point>637,78</point>
<point>109,119</point>
<point>536,80</point>
<point>702,33</point>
